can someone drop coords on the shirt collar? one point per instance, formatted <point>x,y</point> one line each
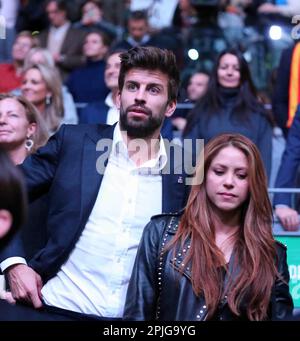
<point>119,148</point>
<point>109,101</point>
<point>62,28</point>
<point>143,41</point>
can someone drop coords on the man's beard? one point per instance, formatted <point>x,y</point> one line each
<point>140,128</point>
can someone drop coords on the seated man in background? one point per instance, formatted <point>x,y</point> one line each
<point>61,39</point>
<point>195,90</point>
<point>286,177</point>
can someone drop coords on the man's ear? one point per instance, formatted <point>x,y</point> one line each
<point>5,222</point>
<point>170,108</point>
<point>118,100</point>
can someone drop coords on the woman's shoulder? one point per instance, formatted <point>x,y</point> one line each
<point>165,217</point>
<point>160,229</point>
<point>280,248</point>
<point>259,111</point>
<point>164,223</point>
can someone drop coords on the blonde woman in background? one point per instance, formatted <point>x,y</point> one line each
<point>39,55</point>
<point>42,87</point>
<point>22,129</point>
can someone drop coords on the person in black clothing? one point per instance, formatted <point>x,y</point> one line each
<point>216,260</point>
<point>280,100</point>
<point>13,203</point>
<point>232,106</point>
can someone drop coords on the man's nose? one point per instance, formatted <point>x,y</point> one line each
<point>140,95</point>
<point>2,119</point>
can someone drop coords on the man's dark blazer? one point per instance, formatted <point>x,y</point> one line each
<point>290,162</point>
<point>66,169</point>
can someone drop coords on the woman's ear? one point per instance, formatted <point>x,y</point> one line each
<point>31,129</point>
<point>5,222</point>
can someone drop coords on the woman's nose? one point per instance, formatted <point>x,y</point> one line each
<point>229,180</point>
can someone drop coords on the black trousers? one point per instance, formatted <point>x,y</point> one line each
<point>21,312</point>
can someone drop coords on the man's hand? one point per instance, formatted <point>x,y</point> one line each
<point>25,284</point>
<point>288,217</point>
<point>7,296</point>
<point>179,123</point>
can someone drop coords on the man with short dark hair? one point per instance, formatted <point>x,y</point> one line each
<point>104,184</point>
<point>61,39</point>
<point>137,31</point>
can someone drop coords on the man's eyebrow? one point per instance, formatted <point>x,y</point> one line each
<point>131,81</point>
<point>155,84</point>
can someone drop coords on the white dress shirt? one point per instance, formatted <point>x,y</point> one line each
<point>113,113</point>
<point>95,277</point>
<point>56,37</point>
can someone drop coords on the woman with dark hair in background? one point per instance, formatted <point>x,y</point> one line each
<point>13,206</point>
<point>232,106</point>
<point>216,260</point>
<point>86,83</point>
<point>13,212</point>
<point>12,198</point>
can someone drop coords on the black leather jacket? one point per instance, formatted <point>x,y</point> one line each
<point>157,292</point>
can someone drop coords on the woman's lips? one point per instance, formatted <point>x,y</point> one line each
<point>227,195</point>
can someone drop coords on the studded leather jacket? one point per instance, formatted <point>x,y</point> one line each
<point>158,291</point>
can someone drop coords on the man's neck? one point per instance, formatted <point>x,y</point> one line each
<point>18,66</point>
<point>141,150</point>
<point>61,25</point>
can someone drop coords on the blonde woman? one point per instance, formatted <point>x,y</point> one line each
<point>22,129</point>
<point>42,87</point>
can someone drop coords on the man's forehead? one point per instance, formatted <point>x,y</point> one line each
<point>146,75</point>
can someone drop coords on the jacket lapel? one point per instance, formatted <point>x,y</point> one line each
<point>173,180</point>
<point>171,192</point>
<point>96,150</point>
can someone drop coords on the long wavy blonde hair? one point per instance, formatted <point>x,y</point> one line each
<point>54,111</point>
